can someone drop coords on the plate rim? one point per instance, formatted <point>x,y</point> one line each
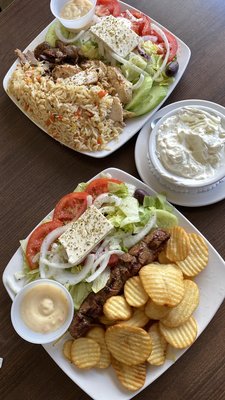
<point>53,351</point>
<point>120,141</point>
<point>181,198</point>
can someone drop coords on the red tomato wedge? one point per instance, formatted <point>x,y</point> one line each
<point>108,7</point>
<point>35,240</point>
<point>99,186</point>
<point>172,43</point>
<point>140,23</point>
<point>70,207</point>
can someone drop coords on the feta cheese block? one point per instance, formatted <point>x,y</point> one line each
<point>84,234</point>
<point>116,34</point>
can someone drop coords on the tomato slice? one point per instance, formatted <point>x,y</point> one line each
<point>35,241</point>
<point>141,25</point>
<point>70,207</point>
<point>172,43</point>
<point>113,260</point>
<point>99,186</point>
<point>107,7</point>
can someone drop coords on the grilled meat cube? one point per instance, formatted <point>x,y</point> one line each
<point>129,266</point>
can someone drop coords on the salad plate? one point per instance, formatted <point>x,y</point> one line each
<point>133,125</point>
<point>211,282</point>
<point>191,197</point>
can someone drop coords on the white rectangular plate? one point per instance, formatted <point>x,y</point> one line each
<point>133,125</point>
<point>211,283</point>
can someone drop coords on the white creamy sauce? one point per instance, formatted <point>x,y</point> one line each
<point>74,9</point>
<point>191,144</point>
<point>44,308</point>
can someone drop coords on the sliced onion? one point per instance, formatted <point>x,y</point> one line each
<point>89,200</point>
<point>48,240</point>
<point>65,40</point>
<point>162,34</point>
<point>101,261</point>
<point>102,267</point>
<point>128,63</point>
<point>139,82</point>
<point>152,38</point>
<point>67,277</point>
<point>134,239</point>
<point>107,198</point>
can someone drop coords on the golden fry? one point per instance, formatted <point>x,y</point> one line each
<point>159,346</point>
<point>163,283</point>
<point>132,377</point>
<point>197,258</point>
<point>182,336</point>
<point>182,312</point>
<point>128,344</point>
<point>178,246</point>
<point>98,335</point>
<point>85,353</point>
<point>117,308</point>
<point>134,292</point>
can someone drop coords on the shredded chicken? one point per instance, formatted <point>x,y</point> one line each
<point>122,86</point>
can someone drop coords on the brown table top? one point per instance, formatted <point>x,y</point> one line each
<point>36,171</point>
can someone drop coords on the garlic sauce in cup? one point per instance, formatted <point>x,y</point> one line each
<point>42,311</point>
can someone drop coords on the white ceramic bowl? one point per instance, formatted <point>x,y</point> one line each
<point>23,330</point>
<point>172,178</point>
<point>71,24</point>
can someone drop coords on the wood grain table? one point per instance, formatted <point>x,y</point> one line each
<point>36,171</point>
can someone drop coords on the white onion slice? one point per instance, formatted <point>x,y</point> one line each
<point>162,34</point>
<point>152,38</point>
<point>128,63</point>
<point>89,200</point>
<point>107,198</point>
<point>65,40</point>
<point>48,240</point>
<point>104,259</point>
<point>67,277</point>
<point>102,267</point>
<point>134,239</point>
<point>139,82</point>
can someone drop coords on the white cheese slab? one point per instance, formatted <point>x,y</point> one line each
<point>116,34</point>
<point>84,234</point>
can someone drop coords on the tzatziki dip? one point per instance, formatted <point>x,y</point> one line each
<point>191,144</point>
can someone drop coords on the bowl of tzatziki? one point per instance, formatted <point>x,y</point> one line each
<point>187,146</point>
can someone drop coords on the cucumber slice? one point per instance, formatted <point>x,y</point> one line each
<point>50,36</point>
<point>147,98</point>
<point>165,219</point>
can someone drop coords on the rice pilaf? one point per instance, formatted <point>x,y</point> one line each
<point>75,115</point>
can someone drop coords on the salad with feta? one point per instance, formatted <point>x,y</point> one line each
<point>82,239</point>
<point>127,39</point>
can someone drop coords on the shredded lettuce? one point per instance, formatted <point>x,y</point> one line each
<point>89,49</point>
<point>81,187</point>
<point>79,293</point>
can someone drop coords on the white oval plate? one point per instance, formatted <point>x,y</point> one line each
<point>96,383</point>
<point>133,125</point>
<point>191,198</point>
